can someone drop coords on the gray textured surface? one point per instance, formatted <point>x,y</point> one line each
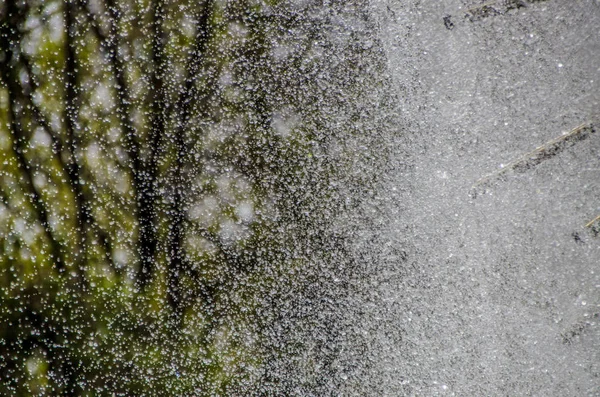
<point>498,294</point>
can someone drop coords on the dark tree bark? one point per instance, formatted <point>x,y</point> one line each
<point>146,179</point>
<point>71,106</point>
<point>178,263</point>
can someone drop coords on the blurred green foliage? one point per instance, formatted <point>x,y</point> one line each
<point>89,326</point>
<point>160,162</point>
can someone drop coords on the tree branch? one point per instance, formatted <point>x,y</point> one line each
<point>146,181</point>
<point>10,45</point>
<point>176,265</point>
<point>71,110</point>
<point>110,43</point>
<point>58,149</point>
<point>40,118</point>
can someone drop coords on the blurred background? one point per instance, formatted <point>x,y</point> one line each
<point>169,175</point>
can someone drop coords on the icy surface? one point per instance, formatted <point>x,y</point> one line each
<point>496,293</point>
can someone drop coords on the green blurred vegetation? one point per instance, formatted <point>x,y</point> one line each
<point>160,165</point>
<point>133,194</point>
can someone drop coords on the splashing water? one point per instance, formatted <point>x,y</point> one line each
<point>299,198</point>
